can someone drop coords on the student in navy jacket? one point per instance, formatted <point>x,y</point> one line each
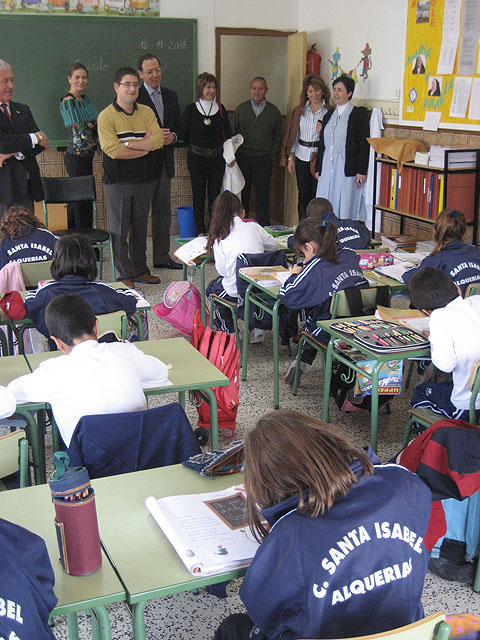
<point>351,234</point>
<point>325,270</point>
<point>342,554</point>
<point>459,260</point>
<point>74,270</point>
<point>26,579</point>
<point>22,238</point>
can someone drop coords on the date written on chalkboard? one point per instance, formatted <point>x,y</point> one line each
<point>164,44</point>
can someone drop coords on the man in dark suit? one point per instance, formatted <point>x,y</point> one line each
<point>164,104</point>
<point>20,142</point>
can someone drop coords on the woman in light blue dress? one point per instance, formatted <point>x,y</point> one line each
<point>343,153</point>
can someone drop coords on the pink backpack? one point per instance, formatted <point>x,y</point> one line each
<point>220,349</point>
<point>180,301</point>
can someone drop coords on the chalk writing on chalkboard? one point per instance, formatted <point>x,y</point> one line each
<point>164,44</point>
<point>232,510</point>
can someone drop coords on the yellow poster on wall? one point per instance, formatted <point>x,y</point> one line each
<point>441,81</point>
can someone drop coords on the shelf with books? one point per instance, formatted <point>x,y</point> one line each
<point>421,192</point>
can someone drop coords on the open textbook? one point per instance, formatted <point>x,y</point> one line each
<point>191,250</point>
<point>412,318</point>
<point>209,531</point>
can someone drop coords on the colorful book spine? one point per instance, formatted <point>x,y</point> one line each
<point>393,189</point>
<point>440,194</point>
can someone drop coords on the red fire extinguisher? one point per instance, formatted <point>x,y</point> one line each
<point>313,60</point>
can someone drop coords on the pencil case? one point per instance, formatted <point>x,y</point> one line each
<point>218,462</point>
<point>75,518</point>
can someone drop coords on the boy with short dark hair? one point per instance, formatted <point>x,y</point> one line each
<point>91,378</point>
<point>454,340</point>
<point>351,234</point>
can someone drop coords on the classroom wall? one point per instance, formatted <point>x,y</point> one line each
<point>267,14</point>
<point>350,25</point>
<point>265,57</point>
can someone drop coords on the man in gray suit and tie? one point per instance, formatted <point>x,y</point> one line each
<point>164,104</point>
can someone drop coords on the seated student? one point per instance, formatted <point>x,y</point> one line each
<point>459,260</point>
<point>341,550</point>
<point>228,237</point>
<point>27,580</point>
<point>351,234</point>
<point>91,377</point>
<point>325,270</point>
<point>74,270</point>
<point>454,341</point>
<point>23,238</point>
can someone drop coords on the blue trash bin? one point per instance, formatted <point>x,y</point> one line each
<point>186,222</point>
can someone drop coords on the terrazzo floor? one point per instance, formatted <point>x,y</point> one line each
<point>186,616</point>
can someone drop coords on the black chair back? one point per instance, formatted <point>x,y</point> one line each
<point>65,190</point>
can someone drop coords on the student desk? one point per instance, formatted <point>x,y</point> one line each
<point>18,327</point>
<point>256,294</point>
<point>144,559</point>
<point>190,371</point>
<point>379,358</point>
<point>32,508</point>
<point>199,262</point>
<point>394,285</point>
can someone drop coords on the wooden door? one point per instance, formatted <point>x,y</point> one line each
<point>297,59</point>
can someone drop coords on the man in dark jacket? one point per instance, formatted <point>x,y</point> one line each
<point>164,104</point>
<point>20,142</point>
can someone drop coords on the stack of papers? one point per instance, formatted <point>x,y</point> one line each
<point>422,157</point>
<point>398,242</point>
<point>461,160</point>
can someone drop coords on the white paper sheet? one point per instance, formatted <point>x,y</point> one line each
<point>474,110</point>
<point>461,94</point>
<point>450,35</point>
<point>432,120</point>
<point>468,38</point>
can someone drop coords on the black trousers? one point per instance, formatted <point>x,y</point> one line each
<point>79,214</point>
<point>206,176</point>
<point>257,170</point>
<point>306,184</point>
<point>238,626</point>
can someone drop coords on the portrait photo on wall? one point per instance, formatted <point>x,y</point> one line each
<point>434,86</point>
<point>419,65</point>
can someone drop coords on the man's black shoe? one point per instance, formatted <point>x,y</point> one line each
<point>169,264</point>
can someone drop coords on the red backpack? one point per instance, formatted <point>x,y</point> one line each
<point>219,348</point>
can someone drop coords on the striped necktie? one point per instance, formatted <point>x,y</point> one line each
<point>6,112</point>
<point>158,102</point>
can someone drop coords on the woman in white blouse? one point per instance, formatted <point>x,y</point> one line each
<point>300,141</point>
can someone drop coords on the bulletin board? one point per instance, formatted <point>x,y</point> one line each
<point>441,81</point>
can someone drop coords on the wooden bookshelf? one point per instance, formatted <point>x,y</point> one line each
<point>421,192</point>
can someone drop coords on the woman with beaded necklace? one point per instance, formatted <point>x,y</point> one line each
<point>205,127</point>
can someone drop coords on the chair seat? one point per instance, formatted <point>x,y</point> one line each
<point>313,340</point>
<point>425,415</point>
<point>95,236</point>
<point>226,303</point>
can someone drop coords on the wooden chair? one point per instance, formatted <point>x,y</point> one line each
<point>339,308</point>
<point>34,272</point>
<point>432,627</point>
<point>14,457</point>
<point>473,289</point>
<point>78,189</point>
<point>424,418</point>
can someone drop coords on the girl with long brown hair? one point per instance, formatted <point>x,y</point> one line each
<point>228,237</point>
<point>325,270</point>
<point>459,260</point>
<point>341,551</point>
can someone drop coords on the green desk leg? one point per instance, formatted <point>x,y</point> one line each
<point>203,296</point>
<point>246,318</point>
<point>184,271</point>
<point>139,620</point>
<point>476,584</point>
<point>276,394</point>
<point>103,623</point>
<point>327,380</point>
<point>37,443</point>
<point>213,416</point>
<point>181,399</point>
<point>374,409</point>
<point>72,626</point>
<point>139,323</point>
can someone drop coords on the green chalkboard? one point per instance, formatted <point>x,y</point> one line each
<point>41,48</point>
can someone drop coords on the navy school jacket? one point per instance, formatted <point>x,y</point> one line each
<point>461,261</point>
<point>356,570</point>
<point>351,234</point>
<point>312,288</point>
<point>26,584</point>
<point>100,296</point>
<point>36,245</point>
